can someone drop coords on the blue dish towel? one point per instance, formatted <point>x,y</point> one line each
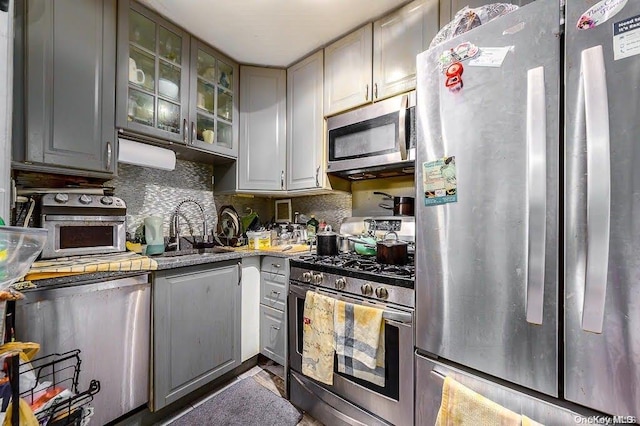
<point>359,341</point>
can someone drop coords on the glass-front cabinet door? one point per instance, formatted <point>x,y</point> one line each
<point>213,110</point>
<point>153,75</point>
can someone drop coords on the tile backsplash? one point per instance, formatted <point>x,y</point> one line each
<point>151,192</point>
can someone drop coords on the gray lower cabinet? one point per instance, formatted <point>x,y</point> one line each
<point>272,334</point>
<point>69,70</point>
<point>273,301</point>
<point>196,328</point>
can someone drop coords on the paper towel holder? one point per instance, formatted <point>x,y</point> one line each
<point>145,155</point>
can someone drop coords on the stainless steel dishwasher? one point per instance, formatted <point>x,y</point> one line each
<point>109,322</point>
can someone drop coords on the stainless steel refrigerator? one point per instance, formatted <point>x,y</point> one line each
<point>528,213</point>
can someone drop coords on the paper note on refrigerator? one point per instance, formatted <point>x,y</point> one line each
<point>439,181</point>
<point>626,38</point>
<point>490,57</point>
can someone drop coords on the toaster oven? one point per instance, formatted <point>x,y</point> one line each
<point>81,224</point>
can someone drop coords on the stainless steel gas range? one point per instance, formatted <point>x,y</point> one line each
<point>359,280</point>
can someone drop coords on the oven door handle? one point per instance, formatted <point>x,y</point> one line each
<point>388,314</point>
<point>397,317</point>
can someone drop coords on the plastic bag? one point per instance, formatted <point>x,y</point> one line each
<point>468,18</point>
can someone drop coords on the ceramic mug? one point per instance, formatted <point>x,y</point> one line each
<point>207,135</point>
<point>136,75</point>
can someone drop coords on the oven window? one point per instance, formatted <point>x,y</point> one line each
<point>391,359</point>
<point>86,236</point>
<point>367,138</point>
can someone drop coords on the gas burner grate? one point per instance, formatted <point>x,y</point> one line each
<point>356,262</point>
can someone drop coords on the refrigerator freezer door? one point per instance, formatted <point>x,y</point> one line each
<point>602,213</point>
<point>487,273</point>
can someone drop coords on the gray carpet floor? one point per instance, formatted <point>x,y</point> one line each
<point>245,403</point>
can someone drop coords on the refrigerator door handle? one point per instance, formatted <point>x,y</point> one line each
<point>536,209</point>
<point>598,187</point>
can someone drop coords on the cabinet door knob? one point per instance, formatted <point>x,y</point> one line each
<point>109,155</point>
<point>275,328</point>
<point>282,180</point>
<point>366,92</point>
<point>239,273</point>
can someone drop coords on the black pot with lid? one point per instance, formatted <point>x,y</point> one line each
<point>327,242</point>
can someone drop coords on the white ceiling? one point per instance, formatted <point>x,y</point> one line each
<point>270,32</point>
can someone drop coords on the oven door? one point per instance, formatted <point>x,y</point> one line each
<point>374,136</point>
<point>80,235</point>
<point>394,402</point>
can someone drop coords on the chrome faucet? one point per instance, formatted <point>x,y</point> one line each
<point>176,220</point>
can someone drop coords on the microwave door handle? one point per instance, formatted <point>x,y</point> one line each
<point>402,134</point>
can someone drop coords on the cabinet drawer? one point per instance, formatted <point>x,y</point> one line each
<point>272,290</point>
<point>272,332</point>
<point>274,265</point>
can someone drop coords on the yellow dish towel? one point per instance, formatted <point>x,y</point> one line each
<point>359,340</point>
<point>317,337</point>
<point>74,265</point>
<point>463,407</point>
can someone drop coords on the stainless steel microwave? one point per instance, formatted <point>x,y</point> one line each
<point>377,140</point>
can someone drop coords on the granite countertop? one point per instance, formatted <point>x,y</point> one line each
<point>166,261</point>
<point>169,261</point>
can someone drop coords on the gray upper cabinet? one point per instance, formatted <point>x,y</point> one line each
<point>153,74</point>
<point>70,78</point>
<point>377,61</point>
<point>263,152</point>
<point>172,87</point>
<point>213,84</point>
<point>397,39</point>
<point>347,71</point>
<point>306,168</point>
<point>449,8</point>
<point>196,328</point>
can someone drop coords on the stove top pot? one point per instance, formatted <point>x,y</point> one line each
<point>392,251</point>
<point>327,242</point>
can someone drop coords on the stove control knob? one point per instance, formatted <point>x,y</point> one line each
<point>341,283</point>
<point>382,293</point>
<point>366,289</point>
<point>317,279</point>
<point>85,199</point>
<point>106,200</point>
<point>306,277</point>
<point>61,198</point>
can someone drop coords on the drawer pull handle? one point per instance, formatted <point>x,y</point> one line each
<point>276,265</point>
<point>277,293</point>
<point>275,328</point>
